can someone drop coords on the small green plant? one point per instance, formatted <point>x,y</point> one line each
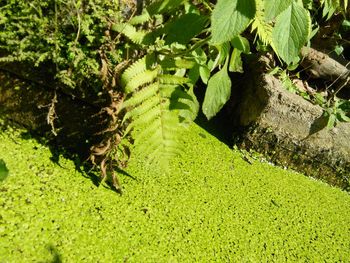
<point>151,54</point>
<point>215,47</point>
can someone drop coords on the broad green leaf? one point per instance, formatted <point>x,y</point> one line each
<point>4,172</point>
<point>241,43</point>
<point>291,32</point>
<point>275,7</point>
<point>218,92</point>
<point>236,64</point>
<point>159,7</point>
<point>184,28</point>
<point>193,74</point>
<point>230,18</point>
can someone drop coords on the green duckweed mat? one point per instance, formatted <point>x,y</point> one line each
<point>210,206</point>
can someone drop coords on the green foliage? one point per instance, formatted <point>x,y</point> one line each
<point>158,87</point>
<point>330,7</point>
<point>284,25</point>
<point>218,92</point>
<point>230,18</point>
<point>273,8</point>
<point>156,103</point>
<point>169,46</point>
<point>335,110</point>
<point>67,36</point>
<point>291,32</point>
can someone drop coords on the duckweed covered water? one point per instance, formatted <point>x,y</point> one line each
<point>210,206</point>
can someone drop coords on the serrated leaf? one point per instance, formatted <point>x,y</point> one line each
<point>274,8</point>
<point>291,32</point>
<point>140,96</point>
<point>4,172</point>
<point>218,92</point>
<point>137,67</point>
<point>230,18</point>
<point>141,79</point>
<point>184,28</point>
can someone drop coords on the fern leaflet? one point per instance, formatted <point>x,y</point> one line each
<point>158,105</point>
<point>262,27</point>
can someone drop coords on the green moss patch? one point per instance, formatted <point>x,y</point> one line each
<point>210,205</point>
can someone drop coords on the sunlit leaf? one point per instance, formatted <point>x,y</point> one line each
<point>218,92</point>
<point>230,18</point>
<point>291,32</point>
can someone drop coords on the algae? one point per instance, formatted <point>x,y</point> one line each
<point>3,170</point>
<point>210,206</point>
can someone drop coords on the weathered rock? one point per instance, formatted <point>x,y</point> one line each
<point>291,130</point>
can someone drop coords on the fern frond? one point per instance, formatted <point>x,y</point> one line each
<point>143,108</point>
<point>145,119</point>
<point>141,79</point>
<point>140,19</point>
<point>140,96</point>
<point>140,37</point>
<point>136,68</point>
<point>158,105</point>
<point>262,27</point>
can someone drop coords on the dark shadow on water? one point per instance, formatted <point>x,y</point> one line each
<point>56,256</point>
<point>219,126</point>
<point>57,151</point>
<point>85,168</point>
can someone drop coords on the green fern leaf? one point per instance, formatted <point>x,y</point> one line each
<point>159,106</point>
<point>140,37</point>
<point>145,119</point>
<point>140,96</point>
<point>143,108</point>
<point>262,27</point>
<point>136,68</point>
<point>141,79</point>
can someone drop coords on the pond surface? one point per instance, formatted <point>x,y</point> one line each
<point>211,205</point>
